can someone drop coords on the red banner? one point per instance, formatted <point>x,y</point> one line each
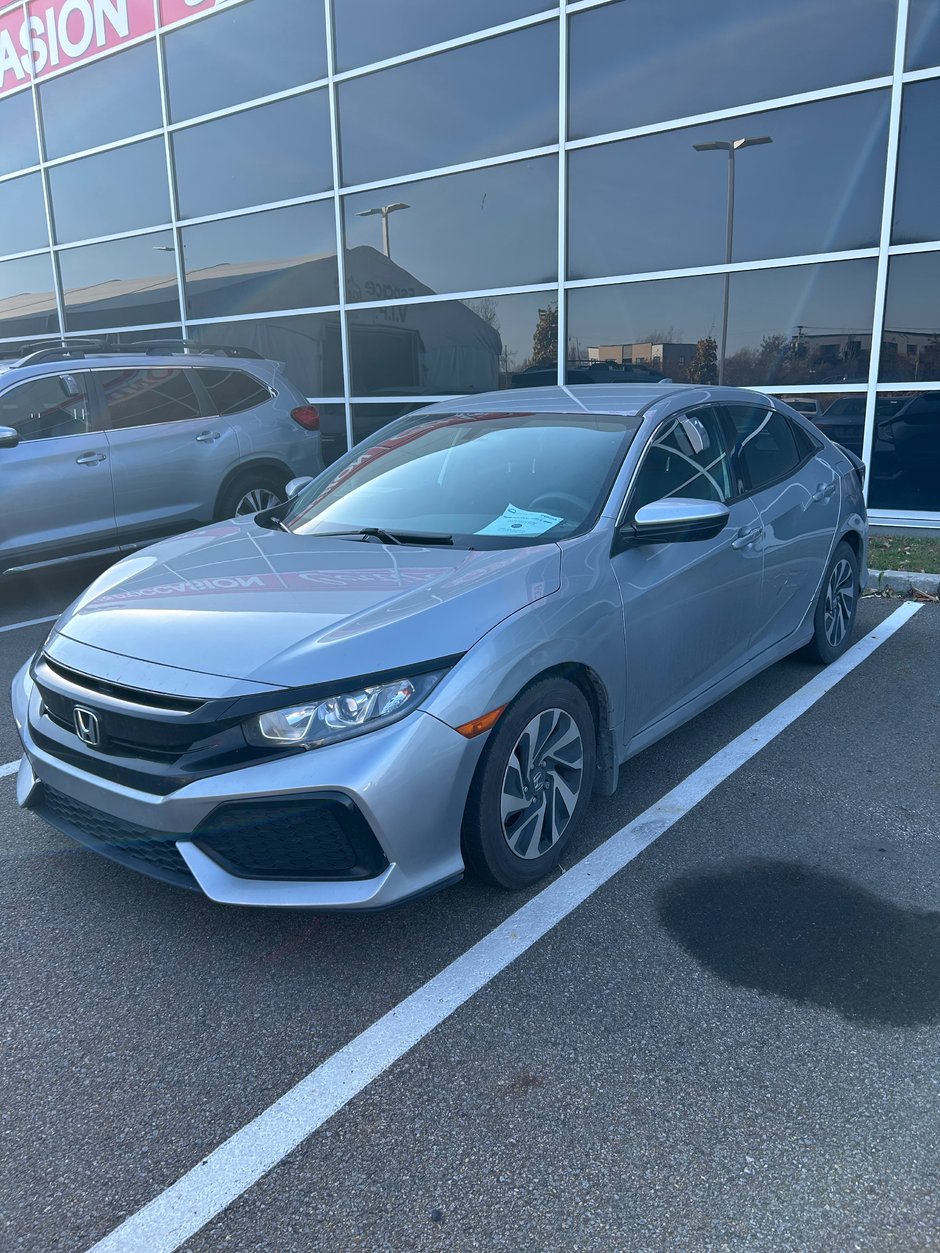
<point>61,33</point>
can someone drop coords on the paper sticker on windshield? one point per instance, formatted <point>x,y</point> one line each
<point>513,521</point>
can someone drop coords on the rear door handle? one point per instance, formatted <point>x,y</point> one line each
<point>747,536</point>
<point>824,491</point>
<point>208,437</point>
<point>90,458</point>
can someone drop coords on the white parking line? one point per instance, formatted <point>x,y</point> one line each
<point>187,1205</point>
<point>17,626</point>
<point>9,767</point>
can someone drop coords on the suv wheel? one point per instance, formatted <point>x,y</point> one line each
<point>250,493</point>
<point>532,786</point>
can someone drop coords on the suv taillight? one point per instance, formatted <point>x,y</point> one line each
<point>307,416</point>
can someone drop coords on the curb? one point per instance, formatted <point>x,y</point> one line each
<point>903,582</point>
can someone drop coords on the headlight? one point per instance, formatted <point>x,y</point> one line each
<point>341,717</point>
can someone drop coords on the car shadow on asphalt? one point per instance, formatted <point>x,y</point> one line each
<point>814,938</point>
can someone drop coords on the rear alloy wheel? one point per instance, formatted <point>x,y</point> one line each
<point>532,786</point>
<point>250,493</point>
<point>836,608</point>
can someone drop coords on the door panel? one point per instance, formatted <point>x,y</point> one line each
<point>799,513</point>
<point>56,483</point>
<point>690,608</point>
<point>168,460</point>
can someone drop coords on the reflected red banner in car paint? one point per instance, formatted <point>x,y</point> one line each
<point>62,33</point>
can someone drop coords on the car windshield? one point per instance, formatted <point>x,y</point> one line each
<point>476,480</point>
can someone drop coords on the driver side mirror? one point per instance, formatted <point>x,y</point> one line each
<point>672,521</point>
<point>8,437</point>
<point>296,486</point>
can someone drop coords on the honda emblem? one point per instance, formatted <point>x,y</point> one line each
<point>87,726</point>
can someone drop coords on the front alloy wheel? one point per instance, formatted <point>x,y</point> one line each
<point>532,785</point>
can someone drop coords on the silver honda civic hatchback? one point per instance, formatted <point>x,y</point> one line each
<point>431,656</point>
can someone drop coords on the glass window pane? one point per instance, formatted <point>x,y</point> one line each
<point>497,96</point>
<point>910,342</point>
<point>27,297</point>
<point>923,34</point>
<point>120,283</point>
<point>18,128</point>
<point>765,444</point>
<point>112,191</point>
<point>494,227</point>
<point>364,32</point>
<point>446,348</point>
<point>804,324</point>
<point>110,99</point>
<point>635,332</point>
<point>654,202</point>
<point>148,397</point>
<point>243,52</point>
<point>276,152</point>
<point>231,390</point>
<point>672,467</point>
<point>308,344</point>
<point>47,407</point>
<point>281,259</point>
<point>367,419</point>
<point>905,462</point>
<point>917,196</point>
<point>23,214</point>
<point>841,417</point>
<point>631,65</point>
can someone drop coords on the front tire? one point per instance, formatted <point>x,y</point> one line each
<point>532,786</point>
<point>836,608</point>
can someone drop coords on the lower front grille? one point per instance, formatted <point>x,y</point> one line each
<point>151,852</point>
<point>317,838</point>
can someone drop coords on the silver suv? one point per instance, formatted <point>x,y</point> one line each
<point>103,449</point>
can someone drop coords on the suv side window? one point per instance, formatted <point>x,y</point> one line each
<point>145,397</point>
<point>768,447</point>
<point>672,467</point>
<point>47,407</point>
<point>232,391</point>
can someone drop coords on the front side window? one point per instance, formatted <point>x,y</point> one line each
<point>766,445</point>
<point>686,458</point>
<point>148,397</point>
<point>490,480</point>
<point>47,407</point>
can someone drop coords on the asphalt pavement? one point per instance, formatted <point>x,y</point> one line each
<point>730,1045</point>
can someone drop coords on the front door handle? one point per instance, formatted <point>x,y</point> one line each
<point>90,458</point>
<point>208,437</point>
<point>747,535</point>
<point>823,491</point>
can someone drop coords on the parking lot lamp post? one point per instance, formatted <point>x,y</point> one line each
<point>384,210</point>
<point>731,146</point>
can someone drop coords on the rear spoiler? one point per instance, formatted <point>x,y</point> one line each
<point>858,465</point>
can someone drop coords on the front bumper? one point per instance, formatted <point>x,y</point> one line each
<point>409,783</point>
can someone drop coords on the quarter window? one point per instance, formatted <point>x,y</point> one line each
<point>231,391</point>
<point>148,397</point>
<point>766,445</point>
<point>687,457</point>
<point>47,407</point>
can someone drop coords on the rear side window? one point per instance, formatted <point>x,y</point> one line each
<point>47,407</point>
<point>768,445</point>
<point>149,397</point>
<point>232,391</point>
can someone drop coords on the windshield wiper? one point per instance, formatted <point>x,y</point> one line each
<point>386,537</point>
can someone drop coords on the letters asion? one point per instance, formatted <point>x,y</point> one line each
<point>60,33</point>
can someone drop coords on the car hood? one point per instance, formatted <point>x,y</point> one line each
<point>243,602</point>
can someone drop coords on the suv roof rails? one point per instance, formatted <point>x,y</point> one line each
<point>78,348</point>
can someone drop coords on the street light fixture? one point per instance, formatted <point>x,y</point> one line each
<point>384,210</point>
<point>731,146</point>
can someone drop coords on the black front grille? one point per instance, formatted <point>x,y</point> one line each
<point>307,839</point>
<point>152,852</point>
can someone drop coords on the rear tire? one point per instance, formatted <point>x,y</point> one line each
<point>532,786</point>
<point>251,492</point>
<point>836,607</point>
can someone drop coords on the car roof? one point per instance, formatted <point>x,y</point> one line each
<point>624,399</point>
<point>131,360</point>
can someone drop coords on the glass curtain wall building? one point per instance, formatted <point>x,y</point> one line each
<point>405,202</point>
